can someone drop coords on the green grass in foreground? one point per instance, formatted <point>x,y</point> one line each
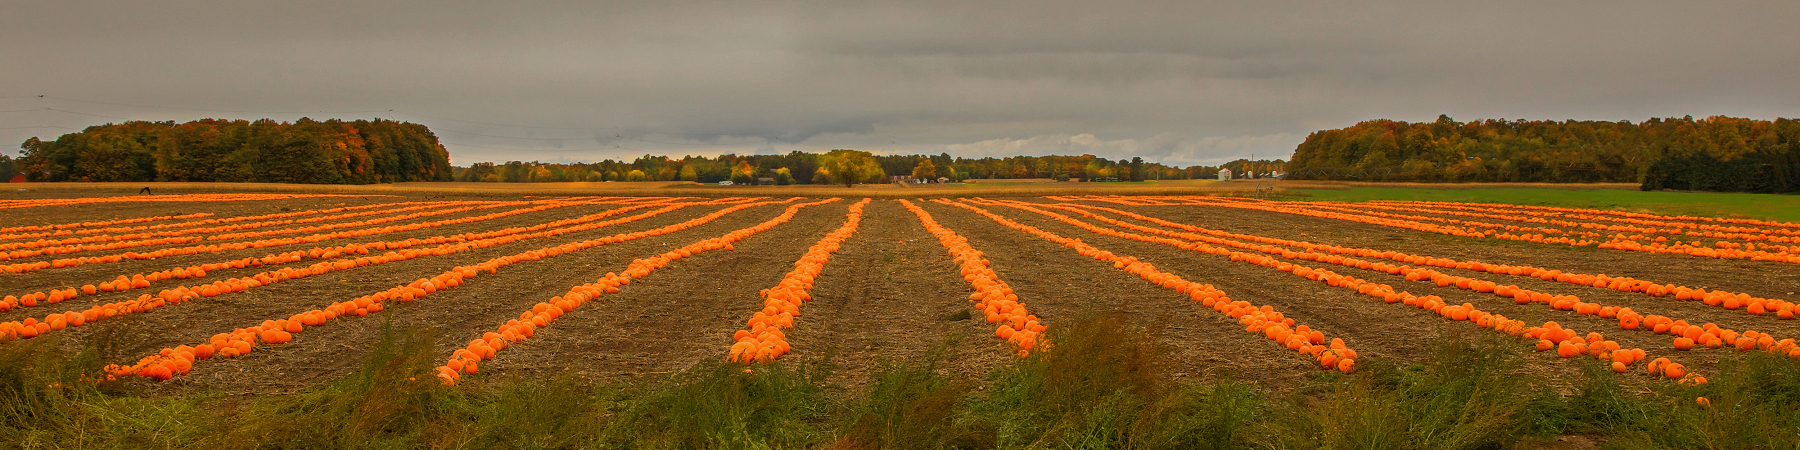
<point>1713,204</point>
<point>1099,388</point>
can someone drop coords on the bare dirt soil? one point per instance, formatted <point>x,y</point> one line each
<point>888,297</point>
<point>1398,332</point>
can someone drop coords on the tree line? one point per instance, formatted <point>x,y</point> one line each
<point>1710,154</point>
<point>384,151</point>
<point>305,151</point>
<point>805,168</point>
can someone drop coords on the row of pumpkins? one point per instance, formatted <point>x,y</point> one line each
<point>992,296</point>
<point>1628,319</point>
<point>1419,224</point>
<point>397,252</point>
<point>467,360</point>
<point>1778,308</point>
<point>1646,238</point>
<point>1550,335</point>
<point>26,267</point>
<point>764,340</point>
<point>246,198</point>
<point>202,227</point>
<point>102,226</point>
<point>1681,225</point>
<point>1263,320</point>
<point>243,341</point>
<point>142,280</point>
<point>144,240</point>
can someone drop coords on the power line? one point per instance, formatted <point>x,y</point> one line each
<point>86,114</point>
<point>615,147</point>
<point>381,111</point>
<point>209,110</point>
<point>577,139</point>
<point>513,126</point>
<point>447,130</point>
<point>639,130</point>
<point>39,126</point>
<point>438,129</point>
<point>765,139</point>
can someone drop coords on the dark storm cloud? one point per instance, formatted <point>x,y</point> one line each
<point>1180,82</point>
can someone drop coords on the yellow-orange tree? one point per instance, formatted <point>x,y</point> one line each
<point>848,167</point>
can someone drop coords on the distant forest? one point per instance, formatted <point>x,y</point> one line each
<point>383,151</point>
<point>306,151</point>
<point>802,168</point>
<point>1711,154</point>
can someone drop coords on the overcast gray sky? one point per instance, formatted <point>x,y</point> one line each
<point>1178,82</point>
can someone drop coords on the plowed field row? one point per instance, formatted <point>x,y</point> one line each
<point>275,301</point>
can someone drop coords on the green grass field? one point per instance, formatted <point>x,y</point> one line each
<point>1751,206</point>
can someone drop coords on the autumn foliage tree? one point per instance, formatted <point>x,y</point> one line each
<point>925,170</point>
<point>1715,153</point>
<point>743,173</point>
<point>803,167</point>
<point>849,167</point>
<point>306,151</point>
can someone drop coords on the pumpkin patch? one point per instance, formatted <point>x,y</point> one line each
<point>271,285</point>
